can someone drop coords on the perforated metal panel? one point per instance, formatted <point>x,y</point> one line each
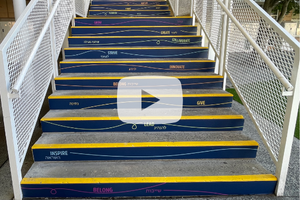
<point>61,21</point>
<point>23,112</point>
<point>26,109</point>
<point>259,88</point>
<point>82,7</point>
<point>209,14</point>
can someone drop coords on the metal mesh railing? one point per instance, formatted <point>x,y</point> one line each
<point>259,88</point>
<point>209,14</point>
<point>16,50</point>
<point>61,21</point>
<point>173,5</point>
<point>82,7</point>
<point>25,110</point>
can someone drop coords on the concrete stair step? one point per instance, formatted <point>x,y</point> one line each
<point>107,99</point>
<point>147,178</point>
<point>154,120</point>
<point>136,21</point>
<point>106,41</point>
<point>144,145</point>
<point>92,81</point>
<point>123,30</point>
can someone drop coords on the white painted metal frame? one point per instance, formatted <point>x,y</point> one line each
<point>9,114</point>
<point>292,85</point>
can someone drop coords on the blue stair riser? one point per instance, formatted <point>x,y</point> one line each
<point>135,53</point>
<point>128,7</point>
<point>131,13</point>
<point>119,126</point>
<point>133,31</point>
<point>137,21</point>
<point>111,103</point>
<point>171,66</point>
<point>149,189</point>
<point>102,3</point>
<point>144,153</point>
<point>135,41</point>
<point>195,83</point>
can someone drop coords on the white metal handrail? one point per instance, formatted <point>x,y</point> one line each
<point>256,73</point>
<point>271,65</point>
<point>17,85</point>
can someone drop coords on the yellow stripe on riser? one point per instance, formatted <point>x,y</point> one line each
<point>203,117</point>
<point>166,36</point>
<point>133,48</point>
<point>134,96</point>
<point>147,144</point>
<point>132,26</point>
<point>180,17</point>
<point>187,179</point>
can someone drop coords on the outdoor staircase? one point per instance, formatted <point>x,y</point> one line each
<point>87,151</point>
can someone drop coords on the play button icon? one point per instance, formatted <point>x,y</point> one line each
<point>145,102</point>
<point>144,98</point>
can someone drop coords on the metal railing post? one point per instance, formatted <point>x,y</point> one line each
<point>53,47</point>
<point>288,128</point>
<point>19,7</point>
<point>177,8</point>
<point>74,13</point>
<point>10,129</point>
<point>223,49</point>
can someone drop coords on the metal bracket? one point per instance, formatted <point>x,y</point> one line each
<point>14,95</point>
<point>286,93</point>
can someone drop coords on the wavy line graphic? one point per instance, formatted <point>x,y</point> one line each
<point>85,52</point>
<point>127,14</point>
<point>163,56</point>
<point>108,128</point>
<point>53,191</point>
<point>189,106</point>
<point>97,129</point>
<point>138,66</point>
<point>196,191</point>
<point>163,156</point>
<point>170,23</point>
<point>105,33</point>
<point>96,86</point>
<point>140,41</point>
<point>92,8</point>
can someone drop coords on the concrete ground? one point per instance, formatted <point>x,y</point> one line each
<point>292,185</point>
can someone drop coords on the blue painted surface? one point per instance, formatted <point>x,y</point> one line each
<point>133,31</point>
<point>144,21</point>
<point>117,125</point>
<point>128,3</point>
<point>195,83</point>
<point>171,66</point>
<point>149,189</point>
<point>128,7</point>
<point>157,41</point>
<point>135,53</point>
<point>111,103</point>
<point>131,13</point>
<point>145,153</point>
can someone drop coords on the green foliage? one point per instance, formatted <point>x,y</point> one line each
<point>293,5</point>
<point>235,95</point>
<point>297,130</point>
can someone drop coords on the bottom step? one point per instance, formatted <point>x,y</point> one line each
<point>147,178</point>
